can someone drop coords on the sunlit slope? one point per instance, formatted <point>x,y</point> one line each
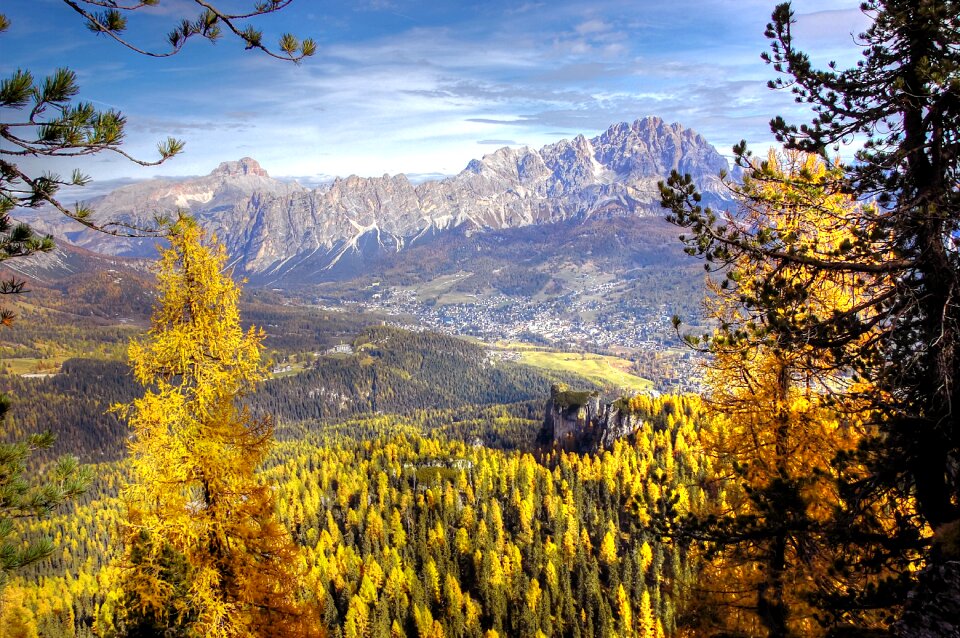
<point>604,370</point>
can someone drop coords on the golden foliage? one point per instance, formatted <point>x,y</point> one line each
<point>330,490</point>
<point>16,620</point>
<point>782,411</point>
<point>204,548</point>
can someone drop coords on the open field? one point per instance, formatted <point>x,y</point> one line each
<point>31,365</point>
<point>439,285</point>
<point>606,370</point>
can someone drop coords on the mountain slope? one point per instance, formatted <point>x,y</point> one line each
<point>270,227</point>
<point>83,283</point>
<point>393,371</point>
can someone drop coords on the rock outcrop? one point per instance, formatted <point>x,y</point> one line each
<point>578,421</point>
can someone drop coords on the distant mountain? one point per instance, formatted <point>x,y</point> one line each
<point>230,191</point>
<point>277,230</point>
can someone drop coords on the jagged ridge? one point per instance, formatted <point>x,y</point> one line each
<point>273,227</point>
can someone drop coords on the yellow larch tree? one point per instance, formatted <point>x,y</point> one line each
<point>783,410</point>
<point>205,554</point>
<point>16,620</point>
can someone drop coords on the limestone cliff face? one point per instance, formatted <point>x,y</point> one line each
<point>230,201</point>
<point>271,226</point>
<point>578,421</point>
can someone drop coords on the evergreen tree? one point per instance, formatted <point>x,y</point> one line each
<point>20,498</point>
<point>904,98</point>
<point>205,552</point>
<point>775,430</point>
<point>902,335</point>
<point>16,240</point>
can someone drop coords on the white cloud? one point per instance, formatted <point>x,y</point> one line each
<point>422,99</point>
<point>592,26</point>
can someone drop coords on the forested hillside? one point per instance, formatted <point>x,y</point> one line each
<point>178,460</point>
<point>407,529</point>
<point>392,371</point>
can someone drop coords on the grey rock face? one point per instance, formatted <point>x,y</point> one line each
<point>269,225</point>
<point>578,421</point>
<point>617,424</point>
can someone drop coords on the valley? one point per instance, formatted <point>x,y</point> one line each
<point>562,247</point>
<point>478,430</point>
<point>408,403</point>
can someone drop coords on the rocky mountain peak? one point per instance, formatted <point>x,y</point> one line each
<point>244,166</point>
<point>652,123</point>
<point>272,227</point>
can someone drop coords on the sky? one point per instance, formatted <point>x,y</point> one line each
<point>422,87</point>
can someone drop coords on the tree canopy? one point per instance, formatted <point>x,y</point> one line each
<point>909,167</point>
<point>892,349</point>
<point>903,100</point>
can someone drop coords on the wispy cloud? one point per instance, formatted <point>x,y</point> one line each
<point>399,86</point>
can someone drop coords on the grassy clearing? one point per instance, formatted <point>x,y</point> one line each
<point>30,365</point>
<point>451,298</point>
<point>518,346</point>
<point>607,370</point>
<point>440,285</point>
<point>292,368</point>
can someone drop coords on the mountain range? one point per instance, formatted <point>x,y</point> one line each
<point>278,231</point>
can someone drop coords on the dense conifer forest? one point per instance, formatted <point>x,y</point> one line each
<point>408,528</point>
<point>392,371</point>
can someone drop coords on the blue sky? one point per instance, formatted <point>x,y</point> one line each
<point>423,87</point>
